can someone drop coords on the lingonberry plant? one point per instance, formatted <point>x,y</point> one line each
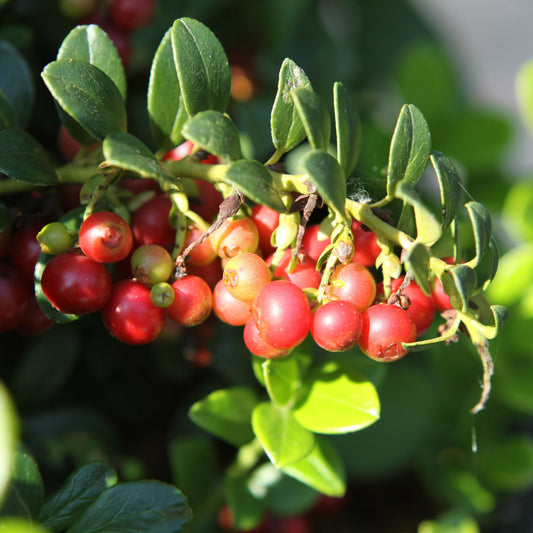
<point>139,252</point>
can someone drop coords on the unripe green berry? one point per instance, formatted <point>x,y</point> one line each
<point>162,294</point>
<point>151,264</point>
<point>55,238</point>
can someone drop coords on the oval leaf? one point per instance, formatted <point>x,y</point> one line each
<point>226,413</point>
<point>459,283</point>
<point>9,429</point>
<point>409,150</point>
<point>286,126</point>
<point>481,228</point>
<point>141,506</point>
<point>165,105</point>
<point>284,440</point>
<point>417,261</point>
<point>78,492</point>
<point>16,83</point>
<point>215,132</point>
<point>339,400</point>
<point>322,469</point>
<point>123,150</point>
<point>326,175</point>
<point>7,115</point>
<point>202,67</point>
<point>255,182</point>
<point>314,116</point>
<point>451,190</point>
<point>88,95</point>
<point>92,45</point>
<point>23,158</point>
<point>347,129</point>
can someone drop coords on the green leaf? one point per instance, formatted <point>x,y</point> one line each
<point>123,150</point>
<point>25,493</point>
<point>482,229</point>
<point>459,283</point>
<point>327,176</point>
<point>282,495</point>
<point>165,105</point>
<point>451,190</point>
<point>80,489</point>
<point>428,228</point>
<point>287,128</point>
<point>16,83</point>
<point>202,67</point>
<point>7,117</point>
<point>88,95</point>
<point>314,116</point>
<point>347,129</point>
<point>92,45</point>
<point>255,182</point>
<point>337,399</point>
<point>321,469</point>
<point>409,150</point>
<point>283,377</point>
<point>500,314</point>
<point>226,413</point>
<point>141,506</point>
<point>417,261</point>
<point>19,525</point>
<point>284,440</point>
<point>9,429</point>
<point>23,158</point>
<point>215,132</point>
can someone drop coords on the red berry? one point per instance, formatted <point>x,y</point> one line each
<point>76,284</point>
<point>208,200</point>
<point>304,275</point>
<point>366,247</point>
<point>256,345</point>
<point>130,15</point>
<point>336,325</point>
<point>150,223</point>
<point>14,297</point>
<point>266,221</point>
<point>245,275</point>
<point>34,321</point>
<point>314,242</point>
<point>5,240</point>
<point>138,185</point>
<point>25,249</point>
<point>105,237</point>
<point>354,283</point>
<point>441,300</point>
<point>193,301</point>
<point>235,236</point>
<point>130,316</point>
<point>282,314</point>
<point>201,254</point>
<point>229,309</point>
<point>385,328</point>
<point>210,273</point>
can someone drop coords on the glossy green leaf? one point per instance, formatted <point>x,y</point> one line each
<point>314,116</point>
<point>92,45</point>
<point>451,190</point>
<point>123,150</point>
<point>7,116</point>
<point>417,261</point>
<point>347,129</point>
<point>79,490</point>
<point>202,67</point>
<point>428,228</point>
<point>88,95</point>
<point>22,158</point>
<point>286,127</point>
<point>255,182</point>
<point>337,399</point>
<point>246,510</point>
<point>226,413</point>
<point>283,378</point>
<point>500,314</point>
<point>322,469</point>
<point>9,430</point>
<point>16,83</point>
<point>284,440</point>
<point>215,132</point>
<point>482,229</point>
<point>281,494</point>
<point>508,465</point>
<point>488,266</point>
<point>409,150</point>
<point>459,283</point>
<point>141,506</point>
<point>327,176</point>
<point>25,493</point>
<point>19,525</point>
<point>165,105</point>
<point>524,92</point>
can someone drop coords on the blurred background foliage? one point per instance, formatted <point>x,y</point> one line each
<point>428,464</point>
